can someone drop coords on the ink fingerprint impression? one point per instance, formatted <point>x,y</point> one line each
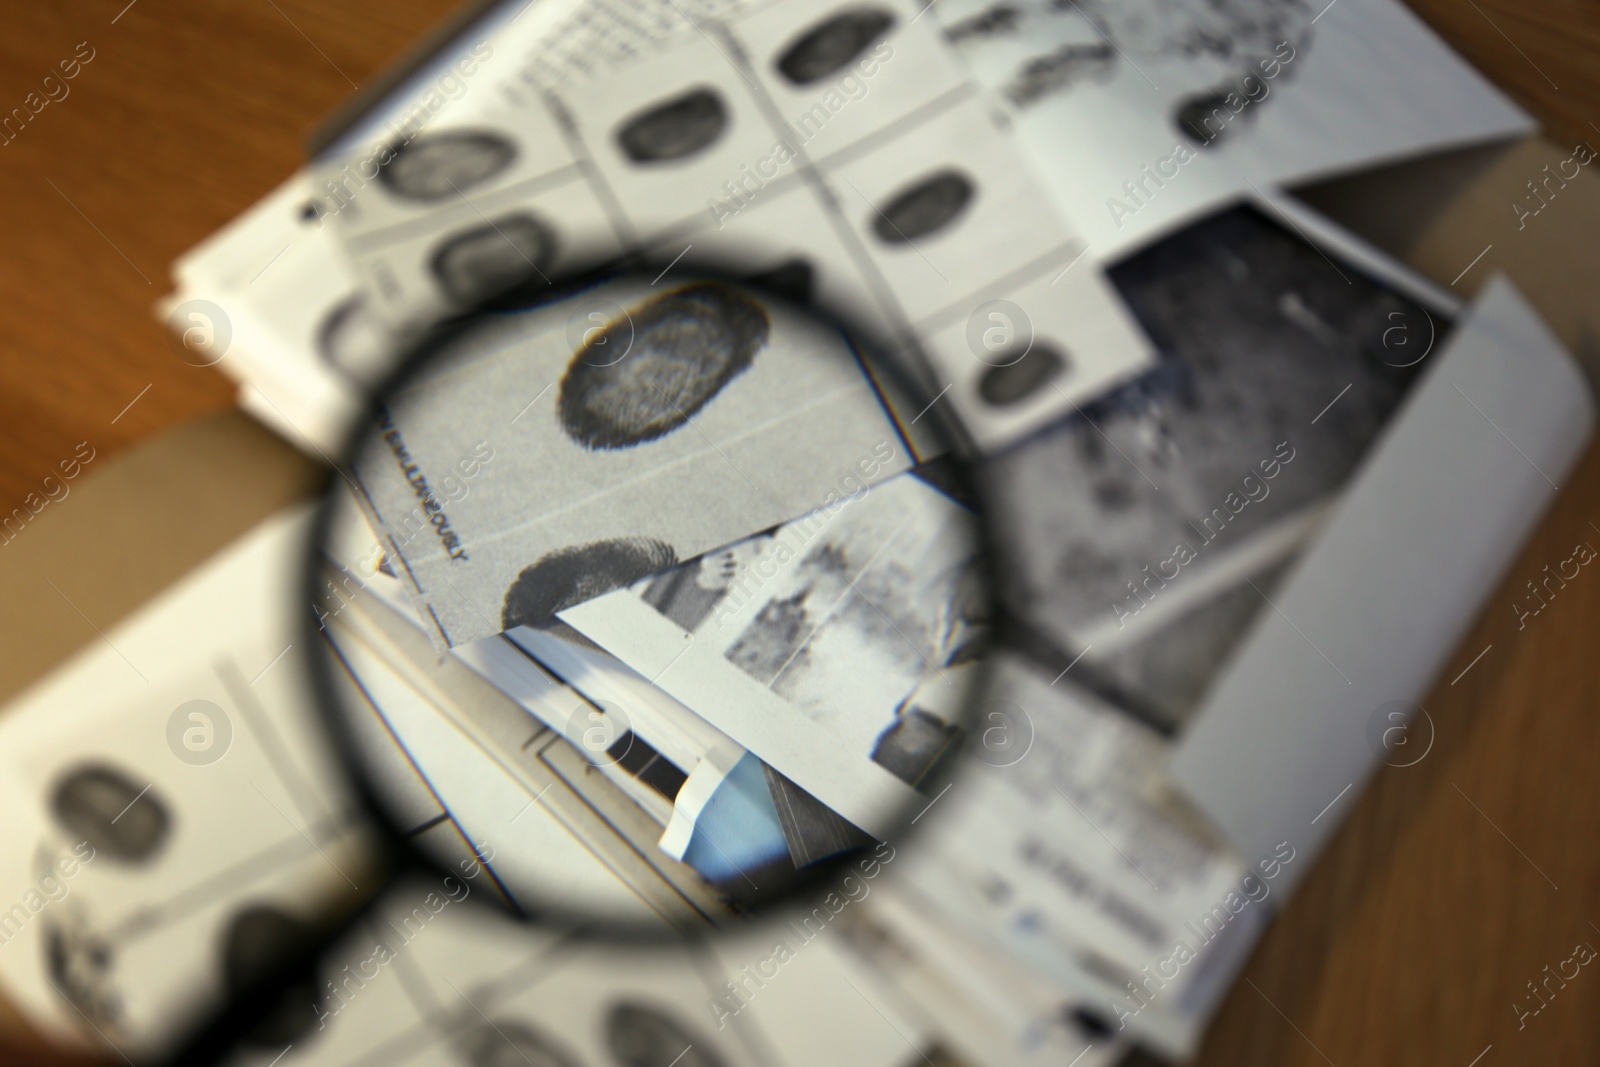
<point>666,584</point>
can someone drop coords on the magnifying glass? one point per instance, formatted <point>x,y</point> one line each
<point>646,600</point>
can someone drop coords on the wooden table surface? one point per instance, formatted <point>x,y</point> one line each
<point>1451,885</point>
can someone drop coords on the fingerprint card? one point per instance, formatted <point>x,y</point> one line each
<point>183,773</point>
<point>485,148</point>
<point>1029,352</point>
<point>860,118</point>
<point>667,131</point>
<point>836,74</point>
<point>272,302</point>
<point>596,454</point>
<point>946,209</point>
<point>1145,112</point>
<point>506,246</point>
<point>781,240</point>
<point>585,1003</point>
<point>151,984</point>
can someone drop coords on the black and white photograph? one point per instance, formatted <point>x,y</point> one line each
<point>1279,369</point>
<point>838,648</point>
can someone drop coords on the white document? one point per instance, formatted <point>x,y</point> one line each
<point>556,453</point>
<point>173,791</point>
<point>874,176</point>
<point>270,301</point>
<point>1143,112</point>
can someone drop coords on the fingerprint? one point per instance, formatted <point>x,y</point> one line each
<point>1015,382</point>
<point>117,816</point>
<point>676,129</point>
<point>440,165</point>
<point>509,253</point>
<point>926,207</point>
<point>687,345</point>
<point>260,941</point>
<point>639,1035</point>
<point>81,964</point>
<point>508,1043</point>
<point>793,279</point>
<point>570,576</point>
<point>833,44</point>
<point>1204,118</point>
<point>352,339</point>
<point>1093,1025</point>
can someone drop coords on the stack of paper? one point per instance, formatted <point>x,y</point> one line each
<point>592,651</point>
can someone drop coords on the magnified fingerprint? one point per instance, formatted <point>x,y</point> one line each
<point>925,208</point>
<point>687,345</point>
<point>260,941</point>
<point>435,166</point>
<point>510,1043</point>
<point>570,576</point>
<point>507,253</point>
<point>794,279</point>
<point>833,44</point>
<point>639,1035</point>
<point>675,130</point>
<point>1015,382</point>
<point>118,816</point>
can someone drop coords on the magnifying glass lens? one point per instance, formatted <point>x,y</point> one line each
<point>650,600</point>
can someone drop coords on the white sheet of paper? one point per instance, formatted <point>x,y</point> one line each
<point>198,705</point>
<point>1354,84</point>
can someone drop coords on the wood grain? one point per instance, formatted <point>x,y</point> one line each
<point>1451,884</point>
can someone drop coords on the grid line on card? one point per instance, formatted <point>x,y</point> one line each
<point>425,225</point>
<point>1037,267</point>
<point>828,201</point>
<point>222,884</point>
<point>524,975</point>
<point>862,146</point>
<point>308,800</point>
<point>610,203</point>
<point>408,971</point>
<point>910,335</point>
<point>416,768</point>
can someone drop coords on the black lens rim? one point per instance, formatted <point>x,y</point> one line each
<point>879,355</point>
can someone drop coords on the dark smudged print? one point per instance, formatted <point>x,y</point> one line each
<point>639,1035</point>
<point>833,44</point>
<point>440,165</point>
<point>570,576</point>
<point>793,279</point>
<point>687,345</point>
<point>677,129</point>
<point>509,1043</point>
<point>506,254</point>
<point>925,208</point>
<point>1191,113</point>
<point>258,943</point>
<point>101,805</point>
<point>1015,382</point>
